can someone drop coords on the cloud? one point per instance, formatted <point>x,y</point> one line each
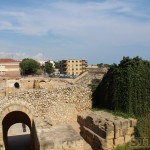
<point>59,17</point>
<point>21,55</point>
<point>75,28</point>
<point>39,57</point>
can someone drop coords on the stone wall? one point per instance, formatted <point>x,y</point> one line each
<point>103,131</point>
<point>8,87</point>
<point>53,103</point>
<point>49,109</point>
<point>89,77</point>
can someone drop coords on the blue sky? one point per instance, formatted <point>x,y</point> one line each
<point>101,31</point>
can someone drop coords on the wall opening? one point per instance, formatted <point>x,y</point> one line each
<point>19,137</point>
<point>18,118</point>
<point>16,85</point>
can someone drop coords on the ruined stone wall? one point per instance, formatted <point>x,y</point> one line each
<point>88,78</point>
<point>103,131</point>
<point>54,101</point>
<point>8,87</point>
<point>57,105</point>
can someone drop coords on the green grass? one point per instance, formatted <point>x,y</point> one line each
<point>125,147</point>
<point>117,113</point>
<point>143,126</point>
<point>129,146</point>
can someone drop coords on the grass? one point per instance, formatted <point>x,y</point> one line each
<point>125,147</point>
<point>129,146</point>
<point>143,126</point>
<point>117,113</point>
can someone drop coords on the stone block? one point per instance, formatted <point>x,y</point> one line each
<point>117,133</point>
<point>107,144</point>
<point>6,111</point>
<point>133,122</point>
<point>119,141</point>
<point>130,130</point>
<point>123,132</point>
<point>110,135</point>
<point>127,138</point>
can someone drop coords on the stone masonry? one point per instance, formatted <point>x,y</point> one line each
<point>103,131</point>
<point>54,106</point>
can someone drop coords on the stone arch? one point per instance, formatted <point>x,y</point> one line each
<point>15,114</point>
<point>15,107</point>
<point>42,81</point>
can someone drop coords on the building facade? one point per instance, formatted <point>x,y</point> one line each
<point>9,68</point>
<point>73,67</point>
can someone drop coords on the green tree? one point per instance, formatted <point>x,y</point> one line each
<point>29,66</point>
<point>39,71</point>
<point>49,68</point>
<point>125,87</point>
<point>101,65</point>
<point>57,65</point>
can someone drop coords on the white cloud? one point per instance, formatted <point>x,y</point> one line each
<point>39,57</point>
<point>21,55</point>
<point>5,25</point>
<point>61,17</point>
<point>66,27</point>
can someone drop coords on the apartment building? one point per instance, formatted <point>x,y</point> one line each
<point>73,66</point>
<point>9,68</point>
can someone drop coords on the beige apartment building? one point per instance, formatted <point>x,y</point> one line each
<point>73,67</point>
<point>9,68</point>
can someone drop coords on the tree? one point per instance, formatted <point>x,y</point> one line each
<point>101,65</point>
<point>29,66</point>
<point>57,65</point>
<point>49,68</point>
<point>125,87</point>
<point>39,72</point>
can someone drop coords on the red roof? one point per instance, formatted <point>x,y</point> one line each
<point>7,60</point>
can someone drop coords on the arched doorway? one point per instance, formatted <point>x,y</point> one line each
<point>18,141</point>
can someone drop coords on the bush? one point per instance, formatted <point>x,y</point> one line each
<point>125,87</point>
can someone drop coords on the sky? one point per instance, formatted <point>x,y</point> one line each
<point>100,31</point>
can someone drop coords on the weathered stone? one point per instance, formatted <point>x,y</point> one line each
<point>127,138</point>
<point>133,122</point>
<point>115,131</point>
<point>130,131</point>
<point>62,137</point>
<point>110,135</point>
<point>119,141</point>
<point>51,102</point>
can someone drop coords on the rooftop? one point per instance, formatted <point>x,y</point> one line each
<point>7,60</point>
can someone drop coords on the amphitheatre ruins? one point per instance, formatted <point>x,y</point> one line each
<point>58,114</point>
